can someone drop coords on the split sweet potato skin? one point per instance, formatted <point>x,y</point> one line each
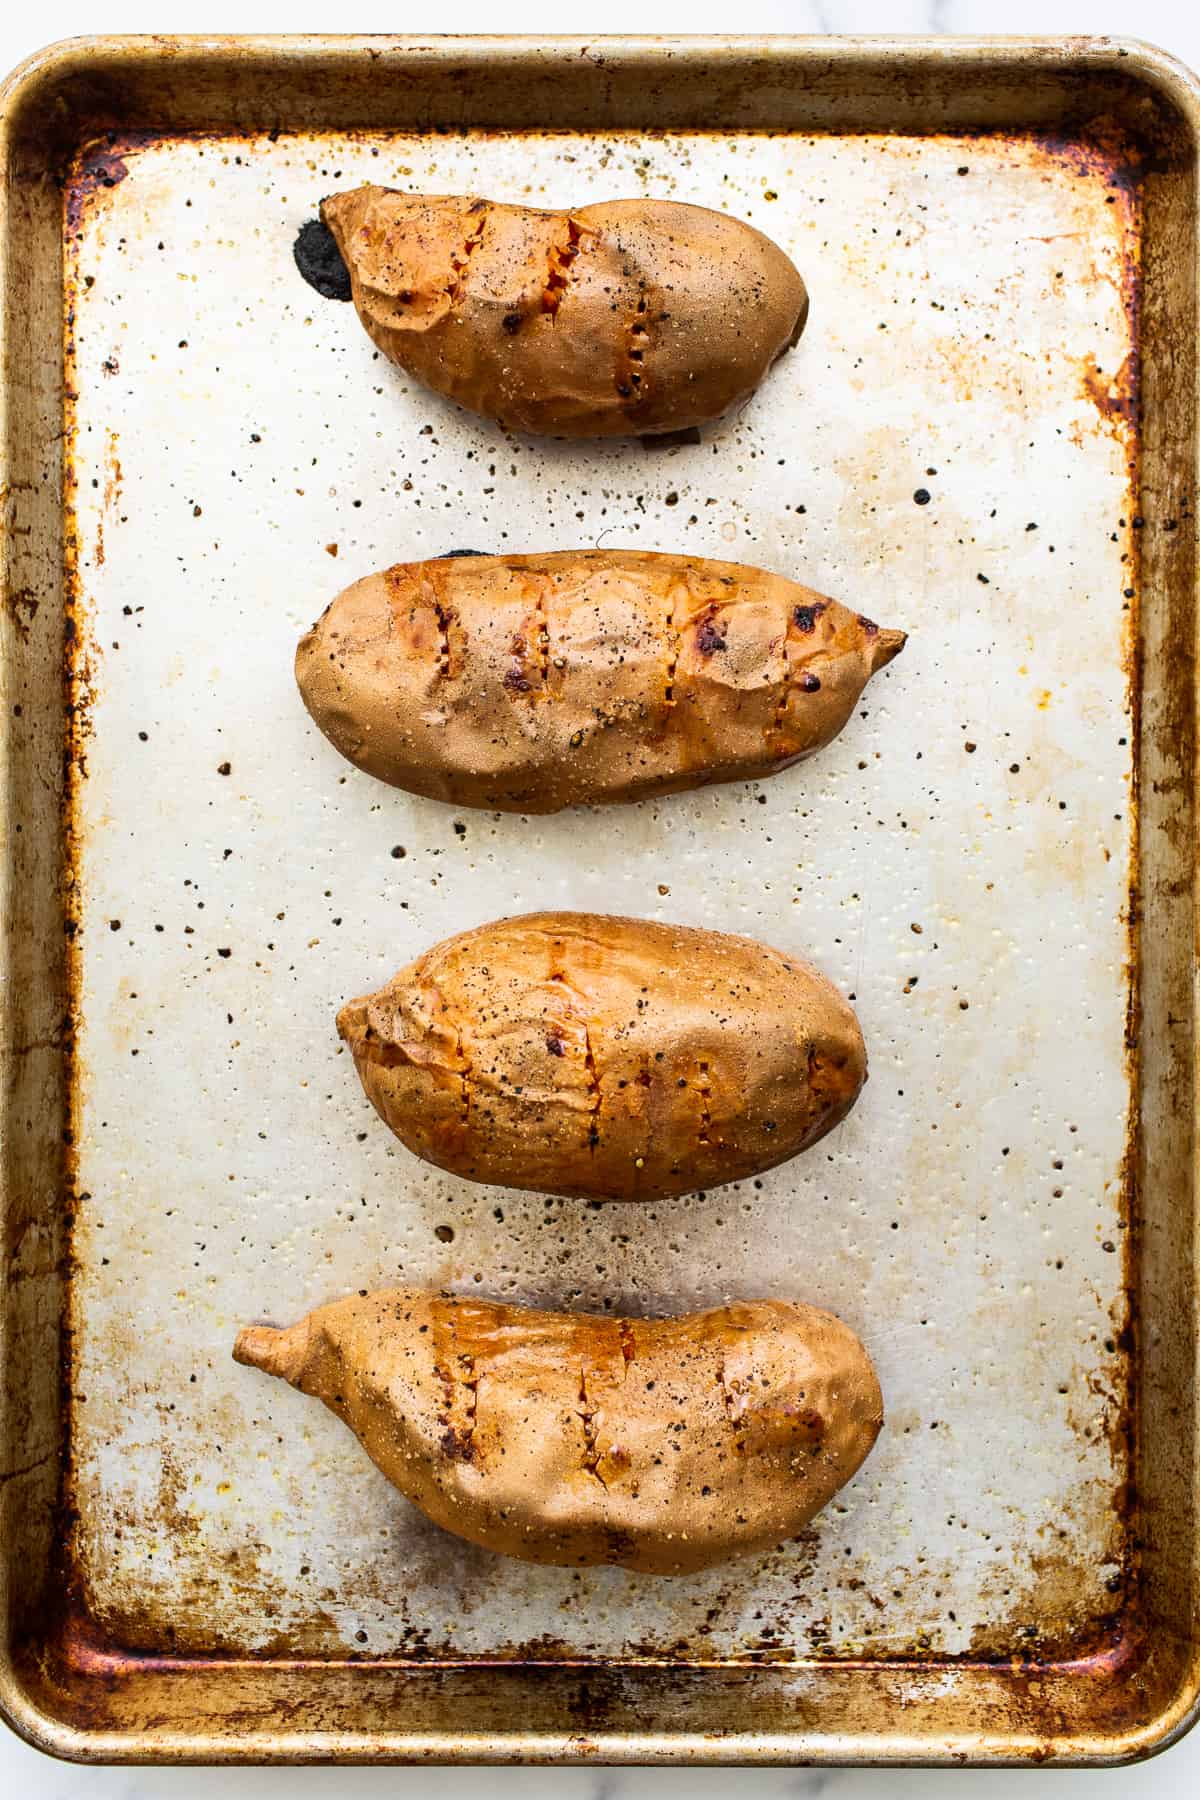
<point>623,317</point>
<point>531,683</point>
<point>661,1445</point>
<point>604,1057</point>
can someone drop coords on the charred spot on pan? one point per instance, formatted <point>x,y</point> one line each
<point>709,639</point>
<point>805,617</point>
<point>810,682</point>
<point>101,167</point>
<point>105,168</point>
<point>320,261</point>
<point>511,323</point>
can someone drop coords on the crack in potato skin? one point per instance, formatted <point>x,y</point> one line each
<point>650,674</point>
<point>662,1445</point>
<point>580,1037</point>
<point>624,317</point>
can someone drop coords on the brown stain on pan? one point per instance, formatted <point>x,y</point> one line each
<point>20,603</point>
<point>1104,152</point>
<point>113,479</point>
<point>98,167</point>
<point>90,1651</point>
<point>79,688</point>
<point>1120,410</point>
<point>1115,396</point>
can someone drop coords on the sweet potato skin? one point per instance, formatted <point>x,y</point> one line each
<point>625,317</point>
<point>606,1058</point>
<point>530,683</point>
<point>545,1436</point>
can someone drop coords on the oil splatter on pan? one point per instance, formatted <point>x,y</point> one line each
<point>955,449</point>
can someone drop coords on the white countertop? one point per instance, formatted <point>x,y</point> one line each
<point>1173,24</point>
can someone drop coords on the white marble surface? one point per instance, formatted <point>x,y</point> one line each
<point>1173,24</point>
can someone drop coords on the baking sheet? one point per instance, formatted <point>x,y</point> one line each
<point>959,861</point>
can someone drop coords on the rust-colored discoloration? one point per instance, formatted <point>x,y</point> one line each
<point>112,494</point>
<point>1103,150</point>
<point>1114,396</point>
<point>79,688</point>
<point>20,602</point>
<point>99,167</point>
<point>1106,153</point>
<point>1103,1651</point>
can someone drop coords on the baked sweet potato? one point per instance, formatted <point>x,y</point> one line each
<point>631,316</point>
<point>606,1058</point>
<point>663,1445</point>
<point>530,683</point>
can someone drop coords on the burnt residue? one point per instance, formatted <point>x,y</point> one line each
<point>1109,155</point>
<point>1107,1647</point>
<point>1115,396</point>
<point>77,691</point>
<point>1102,150</point>
<point>1104,153</point>
<point>320,261</point>
<point>21,604</point>
<point>101,166</point>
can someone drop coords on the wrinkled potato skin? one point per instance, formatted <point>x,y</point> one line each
<point>606,1058</point>
<point>545,1435</point>
<point>632,316</point>
<point>530,683</point>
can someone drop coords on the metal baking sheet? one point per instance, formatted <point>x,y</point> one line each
<point>956,448</point>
